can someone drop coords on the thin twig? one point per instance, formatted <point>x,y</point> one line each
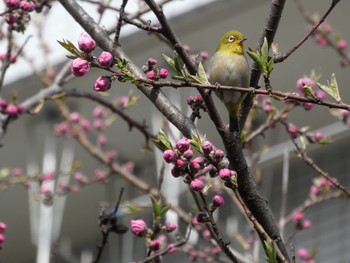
<point>120,22</point>
<point>292,50</point>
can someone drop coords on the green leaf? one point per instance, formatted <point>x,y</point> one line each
<point>332,88</point>
<point>271,254</point>
<point>162,141</point>
<point>202,75</point>
<point>303,142</point>
<point>71,48</point>
<point>265,51</point>
<point>169,60</point>
<point>164,210</point>
<point>255,56</point>
<point>156,207</point>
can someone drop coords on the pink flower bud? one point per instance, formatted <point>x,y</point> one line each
<point>48,176</point>
<point>44,190</point>
<point>138,227</point>
<point>306,224</point>
<point>163,73</point>
<point>190,100</point>
<point>80,178</point>
<point>3,103</point>
<point>86,43</point>
<point>342,44</point>
<point>27,6</point>
<point>86,125</point>
<point>102,84</point>
<point>199,98</point>
<point>303,253</point>
<point>105,59</point>
<point>308,106</point>
<point>225,174</point>
<point>176,172</point>
<point>98,124</point>
<point>218,200</point>
<point>151,74</point>
<point>12,109</point>
<point>12,3</point>
<point>293,130</point>
<point>204,54</point>
<point>154,245</point>
<point>13,57</point>
<point>172,249</point>
<point>183,145</point>
<point>75,117</point>
<point>218,155</point>
<point>102,139</point>
<point>207,147</point>
<point>188,154</point>
<point>180,163</point>
<point>3,227</point>
<point>79,67</point>
<point>99,175</point>
<point>98,112</point>
<point>298,216</point>
<point>321,40</point>
<point>319,136</point>
<point>197,185</point>
<point>314,190</point>
<point>169,156</point>
<point>151,62</point>
<point>170,227</point>
<point>111,154</point>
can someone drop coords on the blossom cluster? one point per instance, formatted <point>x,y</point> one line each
<point>153,72</point>
<point>321,185</point>
<point>80,66</point>
<point>18,13</point>
<point>301,222</point>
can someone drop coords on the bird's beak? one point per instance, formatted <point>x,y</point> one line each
<point>244,39</point>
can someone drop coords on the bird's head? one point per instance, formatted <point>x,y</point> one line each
<point>231,42</point>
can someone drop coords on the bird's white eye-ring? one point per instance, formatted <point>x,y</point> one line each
<point>231,39</point>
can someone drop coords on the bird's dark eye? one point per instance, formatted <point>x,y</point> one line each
<point>231,38</point>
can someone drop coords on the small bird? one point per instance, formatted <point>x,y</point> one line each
<point>229,67</point>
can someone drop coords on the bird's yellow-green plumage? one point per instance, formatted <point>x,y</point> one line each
<point>229,67</point>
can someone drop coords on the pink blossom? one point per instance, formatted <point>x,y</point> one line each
<point>105,59</point>
<point>79,67</point>
<point>204,54</point>
<point>206,233</point>
<point>319,136</point>
<point>308,106</point>
<point>179,163</point>
<point>98,124</point>
<point>48,176</point>
<point>314,190</point>
<point>172,249</point>
<point>190,100</point>
<point>111,154</point>
<point>219,155</point>
<point>188,154</point>
<point>138,227</point>
<point>86,43</point>
<point>81,178</point>
<point>17,171</point>
<point>99,175</point>
<point>321,95</point>
<point>102,84</point>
